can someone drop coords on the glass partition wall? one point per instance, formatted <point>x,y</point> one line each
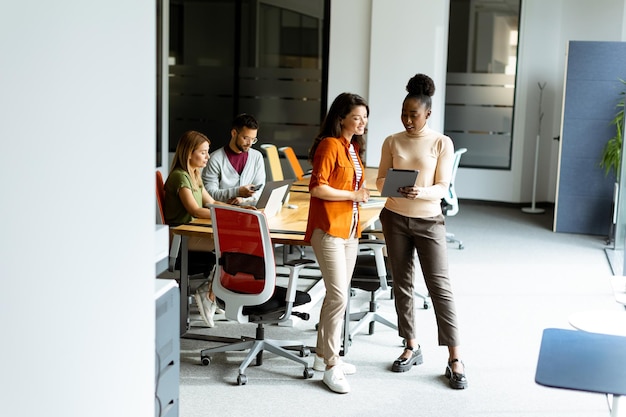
<point>480,86</point>
<point>263,57</point>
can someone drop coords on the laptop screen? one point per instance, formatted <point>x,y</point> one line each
<point>275,201</point>
<point>268,188</point>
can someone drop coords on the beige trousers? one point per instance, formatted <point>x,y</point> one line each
<point>336,258</point>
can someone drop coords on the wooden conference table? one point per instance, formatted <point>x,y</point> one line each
<point>370,182</point>
<point>287,227</point>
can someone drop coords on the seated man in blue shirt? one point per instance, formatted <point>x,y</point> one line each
<point>235,173</point>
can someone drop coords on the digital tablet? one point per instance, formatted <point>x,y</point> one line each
<point>397,178</point>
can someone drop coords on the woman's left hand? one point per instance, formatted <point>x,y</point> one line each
<point>410,192</point>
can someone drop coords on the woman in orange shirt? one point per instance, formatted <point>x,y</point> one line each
<point>337,187</point>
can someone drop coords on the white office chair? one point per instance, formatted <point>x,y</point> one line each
<point>371,275</point>
<point>450,203</point>
<point>450,207</point>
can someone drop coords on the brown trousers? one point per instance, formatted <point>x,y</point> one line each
<point>427,236</point>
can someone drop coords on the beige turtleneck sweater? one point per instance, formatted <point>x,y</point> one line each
<point>432,153</point>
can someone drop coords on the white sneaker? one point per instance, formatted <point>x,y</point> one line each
<point>319,365</point>
<point>206,307</point>
<point>209,310</point>
<point>335,379</point>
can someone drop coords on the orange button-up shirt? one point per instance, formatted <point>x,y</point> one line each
<point>333,166</point>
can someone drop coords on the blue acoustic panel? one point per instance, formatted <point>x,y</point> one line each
<point>596,130</point>
<point>589,99</point>
<point>590,60</point>
<point>592,90</point>
<point>584,214</point>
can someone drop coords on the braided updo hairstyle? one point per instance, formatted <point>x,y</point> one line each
<point>421,87</point>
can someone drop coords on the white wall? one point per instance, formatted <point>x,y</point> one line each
<point>375,48</point>
<point>398,51</point>
<point>77,162</point>
<point>408,36</point>
<point>348,56</point>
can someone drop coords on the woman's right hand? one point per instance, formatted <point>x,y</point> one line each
<point>362,195</point>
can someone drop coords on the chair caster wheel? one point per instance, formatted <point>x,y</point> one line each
<point>242,379</point>
<point>426,306</point>
<point>308,373</point>
<point>305,352</point>
<point>205,360</point>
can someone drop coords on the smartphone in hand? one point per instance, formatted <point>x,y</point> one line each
<point>256,187</point>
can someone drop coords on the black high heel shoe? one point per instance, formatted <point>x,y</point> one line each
<point>402,365</point>
<point>456,380</point>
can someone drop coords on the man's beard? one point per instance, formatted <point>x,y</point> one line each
<point>241,148</point>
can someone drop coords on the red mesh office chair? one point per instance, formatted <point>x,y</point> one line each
<point>174,239</point>
<point>245,281</point>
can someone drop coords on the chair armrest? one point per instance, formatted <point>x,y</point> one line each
<point>373,243</point>
<point>378,247</point>
<point>294,266</point>
<point>298,262</point>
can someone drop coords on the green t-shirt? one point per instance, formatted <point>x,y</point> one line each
<point>175,212</point>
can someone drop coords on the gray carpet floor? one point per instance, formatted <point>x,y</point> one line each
<point>514,278</point>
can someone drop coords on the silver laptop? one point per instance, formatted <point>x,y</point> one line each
<point>273,196</point>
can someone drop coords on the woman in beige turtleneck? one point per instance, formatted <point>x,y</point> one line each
<point>414,222</point>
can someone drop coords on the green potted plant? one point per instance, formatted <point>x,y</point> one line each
<point>611,154</point>
<point>611,158</point>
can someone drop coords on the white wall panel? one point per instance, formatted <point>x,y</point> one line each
<point>78,132</point>
<point>401,47</point>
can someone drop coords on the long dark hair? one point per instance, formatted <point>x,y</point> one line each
<point>421,88</point>
<point>331,126</point>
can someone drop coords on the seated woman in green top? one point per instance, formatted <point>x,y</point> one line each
<point>185,196</point>
<point>186,199</point>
